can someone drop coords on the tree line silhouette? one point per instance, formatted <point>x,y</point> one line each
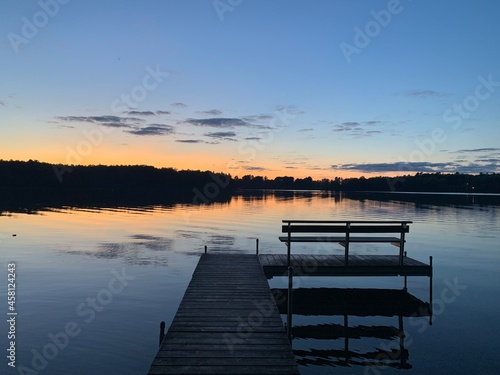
<point>33,181</point>
<point>141,184</point>
<point>420,182</point>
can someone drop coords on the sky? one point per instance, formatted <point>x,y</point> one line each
<point>326,88</point>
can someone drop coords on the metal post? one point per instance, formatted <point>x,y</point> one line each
<point>162,331</point>
<point>289,304</point>
<point>406,279</point>
<point>346,338</point>
<point>430,292</point>
<point>347,235</point>
<point>257,246</point>
<point>402,243</point>
<point>288,245</point>
<point>402,354</point>
<point>206,249</point>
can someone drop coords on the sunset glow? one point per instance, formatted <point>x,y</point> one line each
<point>328,89</point>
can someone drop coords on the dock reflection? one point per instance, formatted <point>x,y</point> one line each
<point>345,303</point>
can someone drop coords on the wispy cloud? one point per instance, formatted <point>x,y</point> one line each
<point>140,113</point>
<point>255,168</point>
<point>258,118</point>
<point>429,167</point>
<point>179,105</point>
<point>217,122</point>
<point>108,121</point>
<point>252,138</point>
<point>211,112</point>
<point>357,129</point>
<point>163,112</point>
<point>189,141</point>
<point>484,149</point>
<point>423,94</point>
<point>227,136</point>
<point>153,129</point>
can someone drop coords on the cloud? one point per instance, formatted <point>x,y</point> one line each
<point>257,118</point>
<point>163,112</point>
<point>218,122</point>
<point>420,94</point>
<point>429,167</point>
<point>212,112</point>
<point>488,160</point>
<point>355,128</point>
<point>306,130</point>
<point>179,105</point>
<point>485,149</point>
<point>227,136</point>
<point>108,121</point>
<point>3,104</point>
<point>252,138</point>
<point>189,141</point>
<point>255,168</point>
<point>140,113</point>
<point>153,129</point>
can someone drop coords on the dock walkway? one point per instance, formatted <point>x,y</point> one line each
<point>227,323</point>
<point>334,265</point>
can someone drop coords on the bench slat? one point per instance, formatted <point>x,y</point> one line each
<point>338,239</point>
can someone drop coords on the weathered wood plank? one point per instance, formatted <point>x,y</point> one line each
<point>226,323</point>
<point>333,265</point>
<point>226,370</point>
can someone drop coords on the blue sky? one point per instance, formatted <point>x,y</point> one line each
<point>301,88</point>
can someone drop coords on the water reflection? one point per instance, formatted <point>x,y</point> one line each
<point>39,203</point>
<point>141,250</point>
<point>389,348</point>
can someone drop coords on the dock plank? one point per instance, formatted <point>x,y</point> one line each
<point>333,265</point>
<point>226,323</point>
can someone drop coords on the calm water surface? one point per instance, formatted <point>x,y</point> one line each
<point>98,281</point>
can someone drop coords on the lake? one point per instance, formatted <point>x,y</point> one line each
<point>93,283</point>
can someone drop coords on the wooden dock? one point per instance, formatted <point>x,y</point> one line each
<point>227,323</point>
<point>334,265</point>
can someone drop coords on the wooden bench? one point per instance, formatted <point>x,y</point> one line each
<point>344,233</point>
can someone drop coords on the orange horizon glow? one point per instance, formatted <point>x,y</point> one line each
<point>179,162</point>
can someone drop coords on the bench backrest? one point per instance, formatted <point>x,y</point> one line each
<point>345,226</point>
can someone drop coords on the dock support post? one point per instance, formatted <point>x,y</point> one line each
<point>288,245</point>
<point>162,331</point>
<point>430,292</point>
<point>257,246</point>
<point>347,235</point>
<point>402,243</point>
<point>289,311</point>
<point>206,249</point>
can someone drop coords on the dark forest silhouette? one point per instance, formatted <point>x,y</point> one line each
<point>36,182</point>
<point>420,182</point>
